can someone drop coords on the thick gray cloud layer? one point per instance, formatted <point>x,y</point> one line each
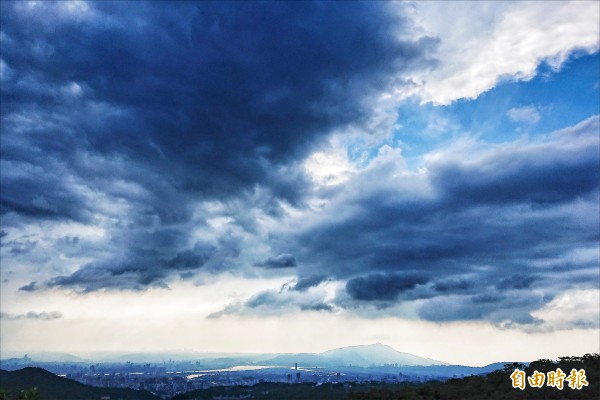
<point>281,261</point>
<point>142,120</point>
<point>381,286</point>
<point>495,234</point>
<point>136,112</point>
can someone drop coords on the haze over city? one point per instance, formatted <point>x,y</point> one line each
<point>286,177</point>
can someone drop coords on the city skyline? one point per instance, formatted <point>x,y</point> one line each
<point>296,177</point>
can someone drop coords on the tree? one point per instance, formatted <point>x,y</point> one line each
<point>29,394</point>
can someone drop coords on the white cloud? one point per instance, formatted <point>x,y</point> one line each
<point>5,71</point>
<point>74,7</point>
<point>483,43</point>
<point>48,13</point>
<point>527,114</point>
<point>579,308</point>
<point>72,89</point>
<point>329,167</point>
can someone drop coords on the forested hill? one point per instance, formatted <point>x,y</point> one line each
<point>499,384</point>
<point>51,387</point>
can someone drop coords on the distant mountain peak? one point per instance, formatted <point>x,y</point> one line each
<point>376,354</point>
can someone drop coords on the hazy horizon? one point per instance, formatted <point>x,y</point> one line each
<point>235,358</point>
<point>300,176</point>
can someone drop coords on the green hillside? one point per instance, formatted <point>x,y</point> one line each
<point>52,387</point>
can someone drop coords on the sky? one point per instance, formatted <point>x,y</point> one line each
<point>295,177</point>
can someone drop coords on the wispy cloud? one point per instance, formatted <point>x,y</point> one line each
<point>527,114</point>
<point>33,315</point>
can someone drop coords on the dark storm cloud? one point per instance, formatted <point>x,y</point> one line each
<point>517,177</point>
<point>381,286</point>
<point>513,309</point>
<point>20,246</point>
<point>281,261</point>
<point>40,196</point>
<point>452,285</point>
<point>517,282</point>
<point>154,107</point>
<point>226,89</point>
<point>317,307</point>
<point>491,222</point>
<point>489,297</point>
<point>134,271</point>
<point>308,282</point>
<point>30,287</point>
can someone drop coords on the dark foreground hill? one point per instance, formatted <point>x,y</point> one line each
<point>52,387</point>
<point>498,385</point>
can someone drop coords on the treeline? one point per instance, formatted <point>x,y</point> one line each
<point>496,385</point>
<point>270,391</point>
<point>579,378</point>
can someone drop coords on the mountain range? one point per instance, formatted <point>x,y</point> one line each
<point>358,356</point>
